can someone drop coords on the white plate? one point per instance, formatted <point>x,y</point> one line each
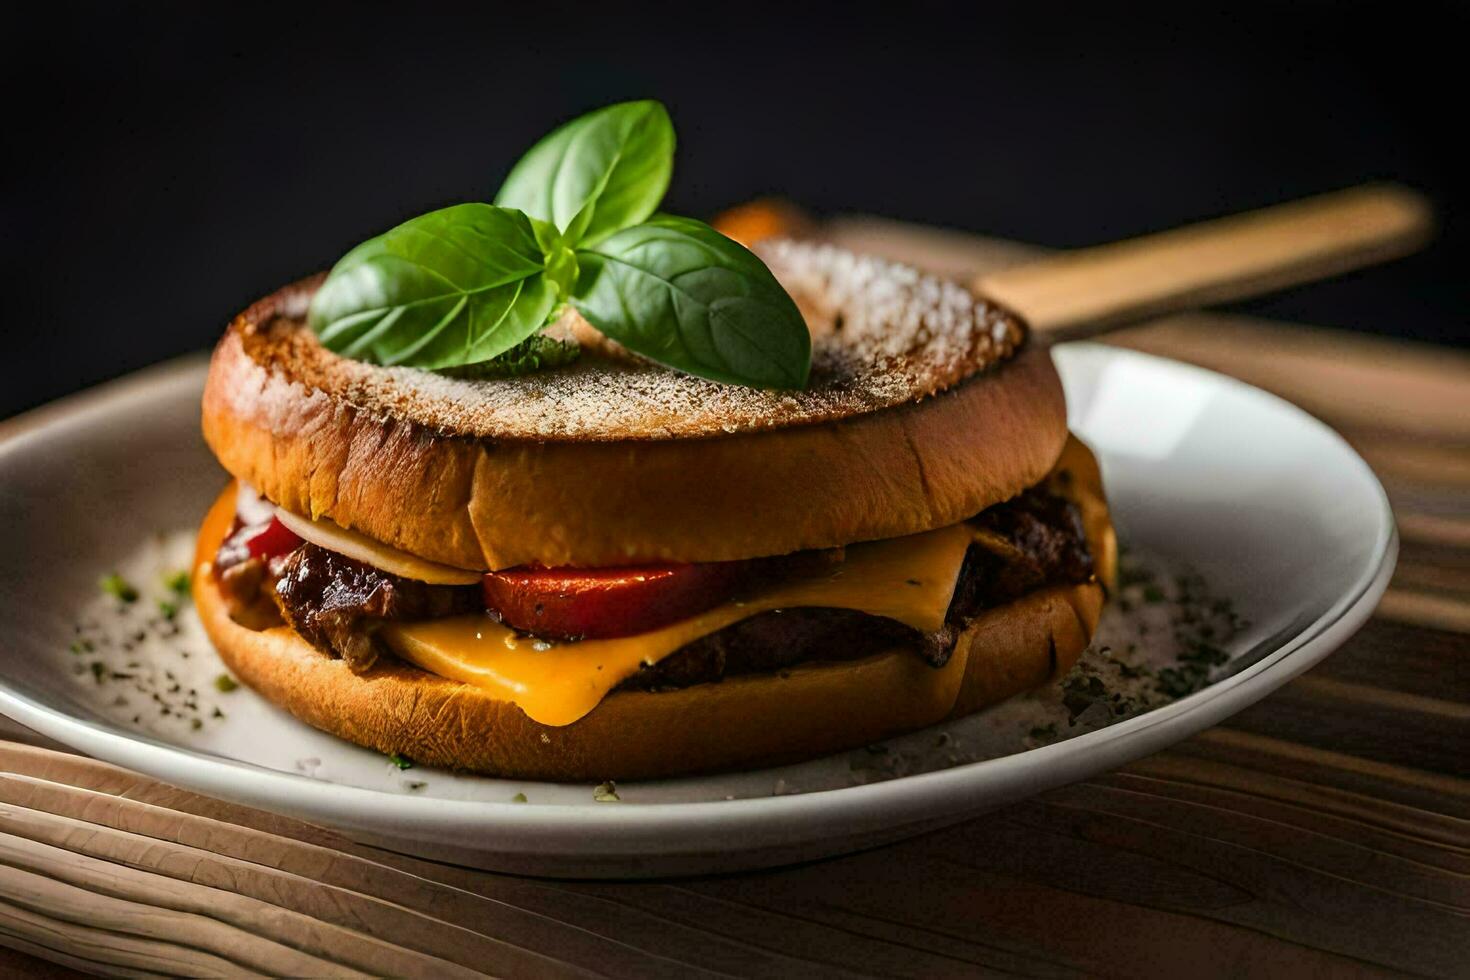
<point>1269,505</point>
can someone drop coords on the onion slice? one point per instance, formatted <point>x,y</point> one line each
<point>334,537</point>
<point>250,506</point>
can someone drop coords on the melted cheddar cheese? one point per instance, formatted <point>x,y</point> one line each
<point>909,579</point>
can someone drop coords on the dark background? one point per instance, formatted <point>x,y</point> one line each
<point>164,165</point>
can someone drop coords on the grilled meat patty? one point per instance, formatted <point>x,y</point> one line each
<point>1046,547</point>
<point>335,602</point>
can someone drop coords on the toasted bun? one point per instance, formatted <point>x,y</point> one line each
<point>742,721</point>
<point>925,407</point>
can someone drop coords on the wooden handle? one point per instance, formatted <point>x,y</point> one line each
<point>1080,293</point>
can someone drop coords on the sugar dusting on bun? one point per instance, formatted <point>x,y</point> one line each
<point>886,327</point>
<point>883,334</point>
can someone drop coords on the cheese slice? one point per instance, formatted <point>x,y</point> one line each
<point>344,541</point>
<point>910,579</point>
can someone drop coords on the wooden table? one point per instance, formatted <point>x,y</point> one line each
<point>1325,830</point>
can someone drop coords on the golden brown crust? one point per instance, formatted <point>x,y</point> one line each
<point>477,502</point>
<point>739,722</point>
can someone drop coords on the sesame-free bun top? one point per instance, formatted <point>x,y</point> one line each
<point>925,406</point>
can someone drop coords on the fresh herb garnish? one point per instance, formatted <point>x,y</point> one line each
<point>537,352</point>
<point>177,581</point>
<point>119,588</point>
<point>1196,662</point>
<point>573,224</point>
<point>680,293</point>
<point>1080,692</point>
<point>456,286</point>
<point>224,683</point>
<point>598,174</point>
<point>401,761</point>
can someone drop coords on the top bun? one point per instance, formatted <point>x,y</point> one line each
<point>924,407</point>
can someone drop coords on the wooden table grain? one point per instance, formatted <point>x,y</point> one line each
<point>1325,830</point>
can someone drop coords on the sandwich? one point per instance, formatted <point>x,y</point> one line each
<point>587,550</point>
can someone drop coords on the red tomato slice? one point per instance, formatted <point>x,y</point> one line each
<point>572,603</point>
<point>272,539</point>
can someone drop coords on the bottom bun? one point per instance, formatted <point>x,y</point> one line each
<point>740,722</point>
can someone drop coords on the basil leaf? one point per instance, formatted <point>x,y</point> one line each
<point>597,174</point>
<point>680,293</point>
<point>454,286</point>
<point>537,352</point>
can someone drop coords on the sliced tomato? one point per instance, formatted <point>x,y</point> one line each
<point>271,539</point>
<point>574,603</point>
